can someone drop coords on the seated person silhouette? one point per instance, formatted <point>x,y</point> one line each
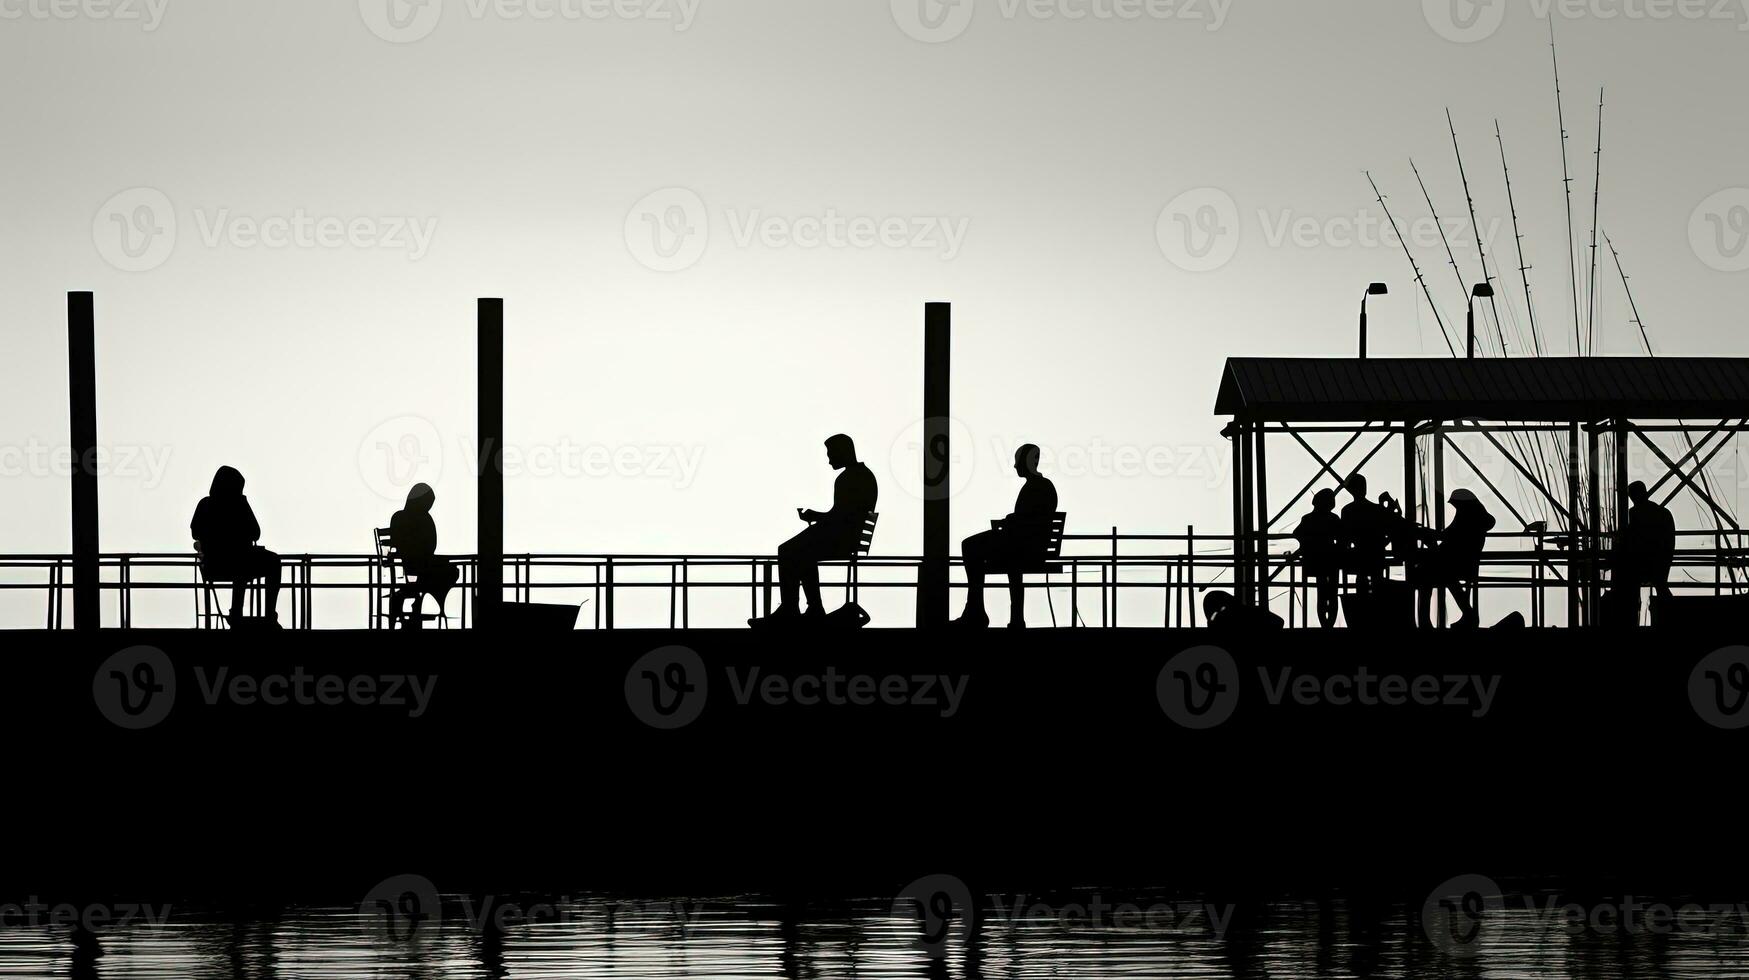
<point>225,531</point>
<point>1650,544</point>
<point>1018,539</point>
<point>1226,614</point>
<point>1365,532</point>
<point>1320,537</point>
<point>413,534</point>
<point>1454,559</point>
<point>831,535</point>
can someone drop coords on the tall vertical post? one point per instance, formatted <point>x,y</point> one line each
<point>1621,493</point>
<point>932,595</point>
<point>1437,504</point>
<point>1575,532</point>
<point>1246,575</point>
<point>82,431</point>
<point>1594,564</point>
<point>1411,473</point>
<point>489,594</point>
<point>1262,463</point>
<point>1236,433</point>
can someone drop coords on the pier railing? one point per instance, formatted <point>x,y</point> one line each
<point>1107,580</point>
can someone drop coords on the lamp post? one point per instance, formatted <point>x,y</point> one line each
<point>1376,289</point>
<point>1482,291</point>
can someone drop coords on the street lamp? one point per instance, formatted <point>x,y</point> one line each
<point>1482,291</point>
<point>1376,289</point>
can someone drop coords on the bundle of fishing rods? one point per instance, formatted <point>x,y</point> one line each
<point>1541,452</point>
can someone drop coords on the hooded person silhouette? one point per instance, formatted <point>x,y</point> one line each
<point>1455,560</point>
<point>413,534</point>
<point>225,530</point>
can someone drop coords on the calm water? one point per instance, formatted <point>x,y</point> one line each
<point>1082,934</point>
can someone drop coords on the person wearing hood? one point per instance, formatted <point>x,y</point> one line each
<point>225,533</point>
<point>1456,559</point>
<point>414,536</point>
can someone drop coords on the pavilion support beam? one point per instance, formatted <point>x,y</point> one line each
<point>1574,532</point>
<point>82,429</point>
<point>1263,522</point>
<point>1438,502</point>
<point>1594,564</point>
<point>1411,472</point>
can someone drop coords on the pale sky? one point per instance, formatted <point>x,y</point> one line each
<point>715,225</point>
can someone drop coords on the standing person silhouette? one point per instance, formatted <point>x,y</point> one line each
<point>1320,537</point>
<point>1651,542</point>
<point>413,534</point>
<point>1022,535</point>
<point>1454,563</point>
<point>833,534</point>
<point>225,531</point>
<point>1365,531</point>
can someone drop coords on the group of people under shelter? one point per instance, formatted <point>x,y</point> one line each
<point>1366,538</point>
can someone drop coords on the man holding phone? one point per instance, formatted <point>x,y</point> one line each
<point>832,534</point>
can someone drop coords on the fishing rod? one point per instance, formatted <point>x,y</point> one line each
<point>1476,229</point>
<point>1463,290</point>
<point>1596,204</point>
<point>1413,265</point>
<point>1518,238</point>
<point>1567,186</point>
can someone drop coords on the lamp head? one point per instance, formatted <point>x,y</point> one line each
<point>1483,291</point>
<point>1377,289</point>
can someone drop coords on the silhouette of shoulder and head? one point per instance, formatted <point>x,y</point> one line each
<point>413,531</point>
<point>840,451</point>
<point>1324,502</point>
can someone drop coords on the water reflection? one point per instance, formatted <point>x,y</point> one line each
<point>723,939</point>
